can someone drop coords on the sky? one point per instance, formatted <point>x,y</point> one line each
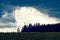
<point>14,13</point>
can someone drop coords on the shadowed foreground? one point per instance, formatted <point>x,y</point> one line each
<point>30,36</point>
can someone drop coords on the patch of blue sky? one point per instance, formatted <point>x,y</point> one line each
<point>51,7</point>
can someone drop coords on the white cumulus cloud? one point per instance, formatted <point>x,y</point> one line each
<point>26,15</point>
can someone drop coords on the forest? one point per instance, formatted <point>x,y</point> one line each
<point>41,28</point>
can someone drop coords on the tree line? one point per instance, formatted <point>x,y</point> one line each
<point>41,28</point>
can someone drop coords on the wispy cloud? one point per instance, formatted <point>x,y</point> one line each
<point>7,20</point>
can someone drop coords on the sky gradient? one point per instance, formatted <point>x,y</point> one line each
<point>51,8</point>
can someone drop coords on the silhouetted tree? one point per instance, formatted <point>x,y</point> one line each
<point>18,30</point>
<point>42,28</point>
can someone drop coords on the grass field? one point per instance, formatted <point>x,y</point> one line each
<point>30,36</point>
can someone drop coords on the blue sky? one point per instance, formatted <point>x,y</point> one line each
<point>51,7</point>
